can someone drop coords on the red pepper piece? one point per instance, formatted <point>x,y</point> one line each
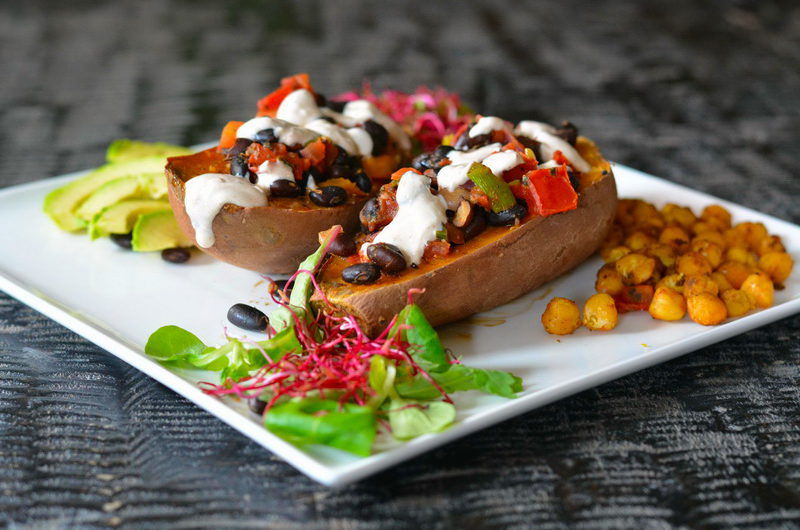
<point>552,193</point>
<point>634,298</point>
<point>268,105</point>
<point>228,136</point>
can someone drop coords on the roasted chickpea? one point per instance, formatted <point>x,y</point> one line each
<point>777,264</point>
<point>561,317</point>
<point>644,211</point>
<point>608,281</point>
<point>678,214</point>
<point>667,304</point>
<point>663,253</point>
<point>709,250</point>
<point>674,235</point>
<point>615,236</point>
<point>624,215</point>
<point>721,281</point>
<point>711,235</point>
<point>737,302</point>
<point>735,272</point>
<point>613,254</point>
<point>770,244</point>
<point>759,287</point>
<point>734,238</point>
<point>674,282</point>
<point>717,214</point>
<point>635,268</point>
<point>740,254</point>
<point>702,226</point>
<point>699,284</point>
<point>692,263</point>
<point>639,241</point>
<point>752,233</point>
<point>706,309</point>
<point>600,313</point>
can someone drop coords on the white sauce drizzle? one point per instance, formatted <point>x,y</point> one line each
<point>299,107</point>
<point>206,194</point>
<point>359,111</point>
<point>270,171</point>
<point>287,133</point>
<point>487,124</point>
<point>544,133</point>
<point>454,174</point>
<point>362,139</point>
<point>501,162</point>
<point>337,135</point>
<point>419,216</point>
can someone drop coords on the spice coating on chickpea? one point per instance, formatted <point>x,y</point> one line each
<point>635,268</point>
<point>759,286</point>
<point>608,281</point>
<point>699,284</point>
<point>600,313</point>
<point>777,264</point>
<point>667,304</point>
<point>735,272</point>
<point>561,317</point>
<point>737,302</point>
<point>692,263</point>
<point>706,309</point>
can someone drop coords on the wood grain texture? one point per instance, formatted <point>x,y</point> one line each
<point>704,93</point>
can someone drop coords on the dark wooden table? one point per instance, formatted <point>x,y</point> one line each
<point>703,93</point>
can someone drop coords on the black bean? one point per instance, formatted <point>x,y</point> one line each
<point>363,181</point>
<point>281,284</point>
<point>379,135</point>
<point>466,142</point>
<point>239,147</point>
<point>123,240</point>
<point>311,172</point>
<point>567,132</point>
<point>433,160</point>
<point>336,106</point>
<point>320,99</point>
<point>443,150</point>
<point>328,196</point>
<point>343,246</point>
<point>239,166</point>
<point>508,217</point>
<point>247,317</point>
<point>342,158</point>
<point>369,212</point>
<point>476,226</point>
<point>361,273</point>
<point>388,257</point>
<point>338,171</point>
<point>284,188</point>
<point>327,118</point>
<point>533,145</point>
<point>266,135</point>
<point>256,406</point>
<point>175,255</point>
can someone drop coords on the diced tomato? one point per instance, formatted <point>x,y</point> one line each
<point>560,159</point>
<point>315,152</point>
<point>268,105</point>
<point>552,193</point>
<point>400,172</point>
<point>634,298</point>
<point>521,191</point>
<point>228,136</point>
<point>476,196</point>
<point>436,249</point>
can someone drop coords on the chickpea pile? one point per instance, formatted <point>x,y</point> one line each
<point>671,262</point>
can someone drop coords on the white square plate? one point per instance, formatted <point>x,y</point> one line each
<point>116,298</point>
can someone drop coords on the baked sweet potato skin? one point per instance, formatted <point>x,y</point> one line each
<point>267,239</point>
<point>491,270</point>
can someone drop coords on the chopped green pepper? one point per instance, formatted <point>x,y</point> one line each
<point>500,196</point>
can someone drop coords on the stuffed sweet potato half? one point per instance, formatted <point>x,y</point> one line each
<point>302,164</point>
<point>475,225</point>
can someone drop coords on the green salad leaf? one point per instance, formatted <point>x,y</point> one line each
<point>349,427</point>
<point>172,343</point>
<point>409,419</point>
<point>418,331</point>
<point>460,378</point>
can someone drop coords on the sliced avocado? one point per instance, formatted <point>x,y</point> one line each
<point>119,218</point>
<point>61,203</point>
<point>124,150</point>
<point>146,186</point>
<point>157,231</point>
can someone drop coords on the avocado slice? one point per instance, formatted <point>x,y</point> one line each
<point>146,186</point>
<point>61,203</point>
<point>119,218</point>
<point>157,231</point>
<point>123,150</point>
